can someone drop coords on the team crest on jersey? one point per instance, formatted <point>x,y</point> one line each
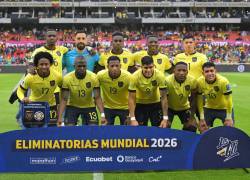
<point>125,60</point>
<point>52,83</point>
<point>154,83</point>
<point>88,84</point>
<point>216,88</point>
<point>120,84</point>
<point>58,53</point>
<point>159,61</point>
<point>194,59</point>
<point>187,87</point>
<point>28,115</point>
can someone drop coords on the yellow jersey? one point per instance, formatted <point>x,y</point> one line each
<point>178,93</point>
<point>42,89</point>
<point>81,90</point>
<point>216,94</point>
<point>147,89</point>
<point>125,59</point>
<point>195,62</point>
<point>114,91</point>
<point>57,55</point>
<point>161,61</point>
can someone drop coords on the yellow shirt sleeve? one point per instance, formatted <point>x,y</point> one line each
<point>65,83</point>
<point>102,60</point>
<point>168,65</point>
<point>227,90</point>
<point>96,82</point>
<point>200,101</point>
<point>132,84</point>
<point>23,87</point>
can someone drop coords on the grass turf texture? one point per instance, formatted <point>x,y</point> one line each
<point>241,99</point>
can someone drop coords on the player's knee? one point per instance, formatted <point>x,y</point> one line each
<point>190,128</point>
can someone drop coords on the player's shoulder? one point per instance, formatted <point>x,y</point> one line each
<point>180,55</point>
<point>91,74</point>
<point>69,75</point>
<point>62,48</point>
<point>191,78</point>
<point>170,77</point>
<point>30,76</point>
<point>158,73</point>
<point>200,55</point>
<point>221,78</point>
<point>201,79</point>
<point>141,53</point>
<point>125,73</point>
<point>102,73</point>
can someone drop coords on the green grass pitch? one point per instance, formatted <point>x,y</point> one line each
<point>241,100</point>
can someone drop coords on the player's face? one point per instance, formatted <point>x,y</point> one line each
<point>180,72</point>
<point>43,66</point>
<point>81,67</point>
<point>209,73</point>
<point>148,70</point>
<point>189,45</point>
<point>114,68</point>
<point>51,38</point>
<point>117,42</point>
<point>152,44</point>
<point>80,40</point>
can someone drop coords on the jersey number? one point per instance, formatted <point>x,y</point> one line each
<point>81,93</point>
<point>93,115</point>
<point>211,96</point>
<point>45,90</point>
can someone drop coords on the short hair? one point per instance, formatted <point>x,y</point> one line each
<point>151,35</point>
<point>117,34</point>
<point>208,65</point>
<point>41,55</point>
<point>188,36</point>
<point>113,58</point>
<point>80,32</point>
<point>180,62</point>
<point>50,30</point>
<point>147,60</point>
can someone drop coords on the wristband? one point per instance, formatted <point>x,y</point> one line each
<point>132,119</point>
<point>102,115</point>
<point>165,117</point>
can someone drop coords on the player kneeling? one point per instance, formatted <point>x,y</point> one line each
<point>42,84</point>
<point>180,87</point>
<point>218,98</point>
<point>77,90</point>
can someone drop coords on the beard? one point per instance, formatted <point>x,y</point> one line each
<point>80,46</point>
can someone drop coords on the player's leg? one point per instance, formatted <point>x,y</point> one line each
<point>110,116</point>
<point>141,114</point>
<point>209,115</point>
<point>188,123</point>
<point>53,116</point>
<point>122,114</point>
<point>171,114</point>
<point>155,114</point>
<point>90,116</point>
<point>71,116</point>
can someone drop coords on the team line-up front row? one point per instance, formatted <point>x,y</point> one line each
<point>145,95</point>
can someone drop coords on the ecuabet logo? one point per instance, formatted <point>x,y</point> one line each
<point>227,148</point>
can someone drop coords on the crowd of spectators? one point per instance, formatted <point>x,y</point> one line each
<point>17,45</point>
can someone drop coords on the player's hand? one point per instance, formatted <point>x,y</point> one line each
<point>203,126</point>
<point>104,121</point>
<point>229,122</point>
<point>165,124</point>
<point>192,122</point>
<point>26,100</point>
<point>134,123</point>
<point>59,122</point>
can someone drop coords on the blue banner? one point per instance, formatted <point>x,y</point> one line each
<point>121,148</point>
